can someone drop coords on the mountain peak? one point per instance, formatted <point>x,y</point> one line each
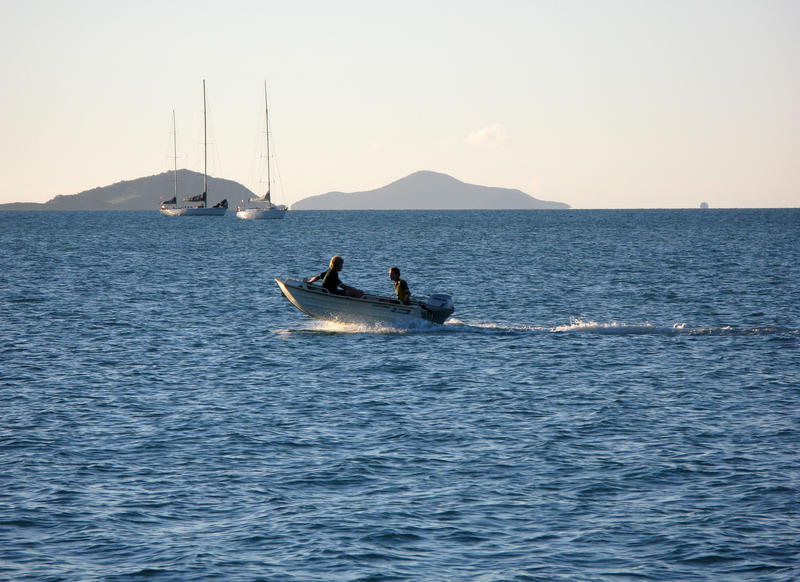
<point>427,177</point>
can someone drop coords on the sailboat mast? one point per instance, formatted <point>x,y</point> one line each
<point>266,117</point>
<point>175,153</point>
<point>205,150</point>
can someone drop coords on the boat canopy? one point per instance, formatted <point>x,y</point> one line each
<point>198,198</point>
<point>264,198</point>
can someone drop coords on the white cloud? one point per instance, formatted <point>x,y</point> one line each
<point>490,136</point>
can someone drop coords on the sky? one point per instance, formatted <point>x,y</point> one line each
<point>595,103</point>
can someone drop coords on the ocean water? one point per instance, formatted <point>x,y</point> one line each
<point>617,397</point>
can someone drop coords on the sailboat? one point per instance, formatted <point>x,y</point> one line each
<point>265,208</point>
<point>170,207</point>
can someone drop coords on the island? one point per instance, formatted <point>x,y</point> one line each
<point>423,190</point>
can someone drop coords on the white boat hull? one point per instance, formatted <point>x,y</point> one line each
<point>317,302</point>
<point>214,211</point>
<point>260,213</point>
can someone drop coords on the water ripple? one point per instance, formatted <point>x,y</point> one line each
<point>609,420</point>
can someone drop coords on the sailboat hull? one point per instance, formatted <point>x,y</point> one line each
<point>260,213</point>
<point>193,211</point>
<point>371,309</point>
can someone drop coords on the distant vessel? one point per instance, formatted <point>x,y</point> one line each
<point>704,205</point>
<point>170,207</point>
<point>318,302</point>
<point>265,208</point>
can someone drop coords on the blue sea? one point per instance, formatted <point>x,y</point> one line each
<point>616,398</point>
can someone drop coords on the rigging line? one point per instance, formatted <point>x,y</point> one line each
<point>279,180</point>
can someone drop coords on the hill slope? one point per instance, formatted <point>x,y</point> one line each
<point>141,194</point>
<point>426,190</point>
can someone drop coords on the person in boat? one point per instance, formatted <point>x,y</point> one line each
<point>331,281</point>
<point>400,286</point>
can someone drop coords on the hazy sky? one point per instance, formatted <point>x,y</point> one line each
<point>599,104</point>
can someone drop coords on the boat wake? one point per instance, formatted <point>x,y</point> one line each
<point>575,326</point>
<point>337,327</point>
<point>616,328</point>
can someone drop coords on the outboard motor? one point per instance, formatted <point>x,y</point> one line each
<point>439,307</point>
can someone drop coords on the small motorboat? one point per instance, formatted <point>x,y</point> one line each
<point>318,302</point>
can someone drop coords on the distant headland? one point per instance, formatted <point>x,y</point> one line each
<point>422,190</point>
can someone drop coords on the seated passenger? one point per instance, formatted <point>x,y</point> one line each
<point>331,281</point>
<point>400,286</point>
